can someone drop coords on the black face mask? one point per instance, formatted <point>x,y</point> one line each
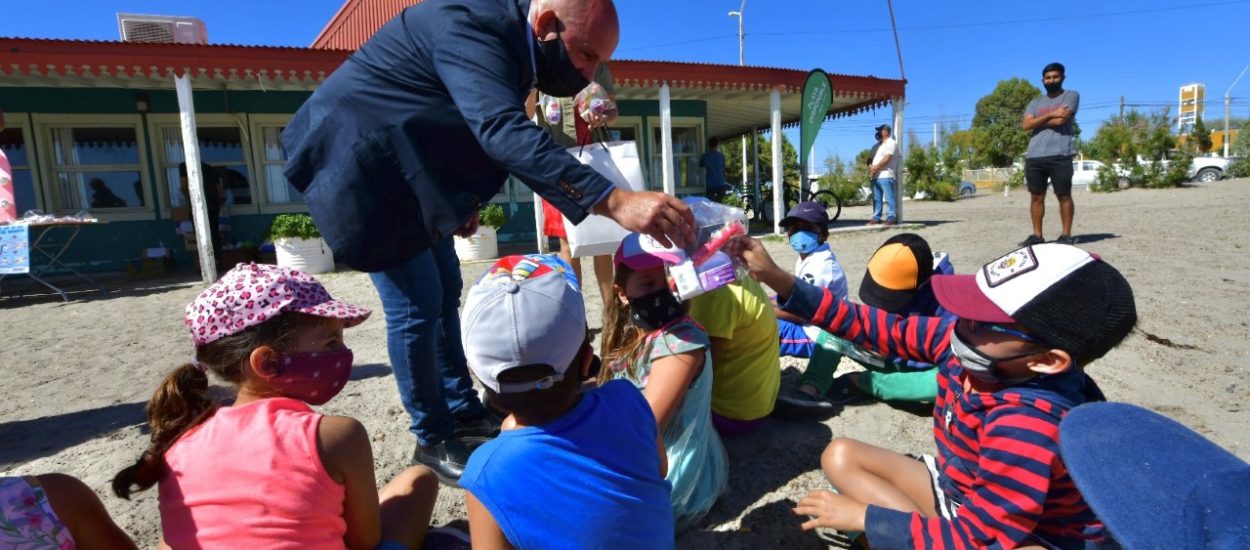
<point>1054,87</point>
<point>654,310</point>
<point>557,76</point>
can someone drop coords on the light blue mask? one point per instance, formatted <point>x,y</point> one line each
<point>804,242</point>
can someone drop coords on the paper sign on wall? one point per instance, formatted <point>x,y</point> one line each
<point>14,249</point>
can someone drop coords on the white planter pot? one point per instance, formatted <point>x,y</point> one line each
<point>482,246</point>
<point>307,255</point>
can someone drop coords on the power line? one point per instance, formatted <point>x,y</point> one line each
<point>951,25</point>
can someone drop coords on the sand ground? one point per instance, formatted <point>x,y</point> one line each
<point>77,375</point>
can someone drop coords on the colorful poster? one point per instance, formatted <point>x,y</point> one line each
<point>14,249</point>
<point>8,204</point>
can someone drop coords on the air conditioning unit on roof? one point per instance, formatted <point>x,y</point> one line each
<point>161,29</point>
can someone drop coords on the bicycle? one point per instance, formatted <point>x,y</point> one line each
<point>831,202</point>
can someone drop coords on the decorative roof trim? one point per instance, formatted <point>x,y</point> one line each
<point>306,67</point>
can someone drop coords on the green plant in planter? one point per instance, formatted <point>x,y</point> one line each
<point>492,215</point>
<point>293,226</point>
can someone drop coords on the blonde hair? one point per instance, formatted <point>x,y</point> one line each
<point>622,341</point>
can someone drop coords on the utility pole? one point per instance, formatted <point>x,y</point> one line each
<point>1121,109</point>
<point>742,61</point>
<point>1228,100</point>
<point>741,36</point>
<point>935,138</point>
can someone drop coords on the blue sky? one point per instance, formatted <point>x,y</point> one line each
<point>954,51</point>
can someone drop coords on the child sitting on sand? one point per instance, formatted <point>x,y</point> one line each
<point>268,471</point>
<point>649,340</point>
<point>1011,364</point>
<point>571,468</point>
<point>55,511</point>
<point>897,281</point>
<point>807,227</point>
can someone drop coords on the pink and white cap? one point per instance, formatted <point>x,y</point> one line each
<point>639,252</point>
<point>1001,288</point>
<point>251,294</point>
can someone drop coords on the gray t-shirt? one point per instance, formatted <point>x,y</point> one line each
<point>1048,141</point>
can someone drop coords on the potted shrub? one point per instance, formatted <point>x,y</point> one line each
<point>299,245</point>
<point>484,244</point>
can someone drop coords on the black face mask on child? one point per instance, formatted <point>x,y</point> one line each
<point>654,310</point>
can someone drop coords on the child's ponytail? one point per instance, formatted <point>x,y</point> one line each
<point>179,404</point>
<point>621,340</point>
<point>182,402</point>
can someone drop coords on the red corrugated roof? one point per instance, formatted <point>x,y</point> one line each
<point>356,21</point>
<point>86,58</point>
<point>40,57</point>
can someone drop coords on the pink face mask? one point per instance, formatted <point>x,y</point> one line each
<point>315,377</point>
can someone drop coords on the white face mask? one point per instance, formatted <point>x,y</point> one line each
<point>983,367</point>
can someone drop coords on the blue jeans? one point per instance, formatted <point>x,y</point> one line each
<point>883,188</point>
<point>421,300</point>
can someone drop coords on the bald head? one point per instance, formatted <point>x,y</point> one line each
<point>589,28</point>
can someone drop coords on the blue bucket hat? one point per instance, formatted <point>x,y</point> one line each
<point>1154,482</point>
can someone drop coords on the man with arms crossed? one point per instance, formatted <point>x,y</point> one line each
<point>1049,157</point>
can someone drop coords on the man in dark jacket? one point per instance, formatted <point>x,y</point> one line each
<point>419,128</point>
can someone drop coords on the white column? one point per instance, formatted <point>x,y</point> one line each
<point>755,193</point>
<point>195,180</point>
<point>540,220</point>
<point>778,161</point>
<point>898,103</point>
<point>744,163</point>
<point>539,216</point>
<point>666,139</point>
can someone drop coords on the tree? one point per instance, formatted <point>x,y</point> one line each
<point>1199,139</point>
<point>998,137</point>
<point>962,144</point>
<point>733,160</point>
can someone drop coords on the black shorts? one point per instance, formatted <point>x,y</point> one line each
<point>1056,171</point>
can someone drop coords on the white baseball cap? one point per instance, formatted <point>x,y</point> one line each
<point>525,310</point>
<point>1068,297</point>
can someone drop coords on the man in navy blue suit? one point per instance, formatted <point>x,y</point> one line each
<point>419,128</point>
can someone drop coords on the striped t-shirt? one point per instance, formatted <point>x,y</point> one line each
<point>998,453</point>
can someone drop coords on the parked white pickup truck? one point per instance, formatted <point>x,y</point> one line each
<point>1208,169</point>
<point>1203,169</point>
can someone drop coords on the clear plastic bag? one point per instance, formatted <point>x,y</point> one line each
<point>593,101</point>
<point>705,267</point>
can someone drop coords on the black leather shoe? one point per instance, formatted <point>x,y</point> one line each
<point>445,458</point>
<point>484,427</point>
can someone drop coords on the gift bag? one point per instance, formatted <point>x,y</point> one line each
<point>618,161</point>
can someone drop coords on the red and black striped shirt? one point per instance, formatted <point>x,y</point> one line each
<point>998,453</point>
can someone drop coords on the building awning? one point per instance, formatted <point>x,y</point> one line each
<point>737,97</point>
<point>38,62</point>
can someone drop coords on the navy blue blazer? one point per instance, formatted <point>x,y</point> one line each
<point>421,126</point>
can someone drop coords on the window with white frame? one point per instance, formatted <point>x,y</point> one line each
<point>222,149</point>
<point>14,146</point>
<point>686,152</point>
<point>97,168</point>
<point>277,189</point>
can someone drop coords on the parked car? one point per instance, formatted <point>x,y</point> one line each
<point>1209,169</point>
<point>1203,169</point>
<point>1085,172</point>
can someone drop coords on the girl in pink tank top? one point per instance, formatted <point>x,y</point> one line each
<point>267,471</point>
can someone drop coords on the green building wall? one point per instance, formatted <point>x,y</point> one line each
<point>109,246</point>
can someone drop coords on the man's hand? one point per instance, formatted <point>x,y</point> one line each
<point>761,266</point>
<point>660,215</point>
<point>1063,112</point>
<point>604,119</point>
<point>829,509</point>
<point>470,227</point>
